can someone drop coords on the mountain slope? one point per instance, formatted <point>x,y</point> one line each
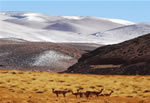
<point>130,57</point>
<point>40,27</point>
<point>17,31</point>
<point>40,56</point>
<point>37,55</point>
<point>45,21</point>
<point>124,33</point>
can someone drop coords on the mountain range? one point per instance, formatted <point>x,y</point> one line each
<point>52,43</point>
<point>74,29</point>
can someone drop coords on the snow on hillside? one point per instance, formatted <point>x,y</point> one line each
<point>12,39</point>
<point>119,21</point>
<point>52,59</point>
<point>73,17</point>
<point>21,15</point>
<point>124,33</point>
<point>34,17</point>
<point>124,22</point>
<point>30,34</point>
<point>74,29</point>
<point>76,24</point>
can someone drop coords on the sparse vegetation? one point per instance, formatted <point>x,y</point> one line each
<point>35,87</point>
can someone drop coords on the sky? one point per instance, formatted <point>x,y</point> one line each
<point>132,10</point>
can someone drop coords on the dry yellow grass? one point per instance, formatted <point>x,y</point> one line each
<point>34,87</point>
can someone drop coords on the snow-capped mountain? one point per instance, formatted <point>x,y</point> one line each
<point>124,33</point>
<point>76,29</point>
<point>25,38</point>
<point>85,25</point>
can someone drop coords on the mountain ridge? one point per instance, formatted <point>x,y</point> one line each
<point>127,58</point>
<point>50,28</point>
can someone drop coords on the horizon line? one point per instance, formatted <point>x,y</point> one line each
<point>71,15</point>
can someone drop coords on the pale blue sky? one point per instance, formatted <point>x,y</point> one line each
<point>133,10</point>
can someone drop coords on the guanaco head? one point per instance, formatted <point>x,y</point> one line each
<point>53,89</point>
<point>79,89</point>
<point>111,91</point>
<point>102,90</point>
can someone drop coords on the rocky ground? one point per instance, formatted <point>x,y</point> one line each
<point>127,58</point>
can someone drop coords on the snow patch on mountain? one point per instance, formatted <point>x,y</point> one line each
<point>118,21</point>
<point>11,30</point>
<point>72,29</point>
<point>124,33</point>
<point>73,17</point>
<point>34,17</point>
<point>51,58</point>
<point>124,22</point>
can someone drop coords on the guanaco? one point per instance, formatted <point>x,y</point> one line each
<point>109,94</point>
<point>97,93</point>
<point>63,92</point>
<point>88,93</point>
<point>80,93</point>
<point>76,94</point>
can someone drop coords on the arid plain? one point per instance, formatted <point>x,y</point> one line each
<point>36,87</point>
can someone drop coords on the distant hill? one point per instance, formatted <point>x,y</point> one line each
<point>40,56</point>
<point>127,58</point>
<point>50,28</point>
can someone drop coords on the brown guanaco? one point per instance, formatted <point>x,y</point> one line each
<point>63,92</point>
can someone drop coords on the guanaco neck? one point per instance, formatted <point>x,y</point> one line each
<point>101,91</point>
<point>53,90</point>
<point>72,92</point>
<point>111,92</point>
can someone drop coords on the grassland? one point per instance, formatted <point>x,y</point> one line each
<point>35,87</point>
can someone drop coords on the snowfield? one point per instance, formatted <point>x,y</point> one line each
<point>124,22</point>
<point>73,17</point>
<point>125,33</point>
<point>68,29</point>
<point>34,17</point>
<point>52,59</point>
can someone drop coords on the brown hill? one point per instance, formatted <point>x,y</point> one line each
<point>127,58</point>
<point>39,56</point>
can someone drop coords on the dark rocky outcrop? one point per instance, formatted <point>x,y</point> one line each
<point>127,58</point>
